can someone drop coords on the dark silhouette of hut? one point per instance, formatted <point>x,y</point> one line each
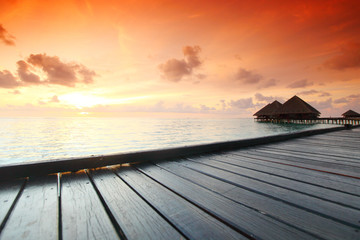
<point>268,111</point>
<point>351,114</point>
<point>296,108</point>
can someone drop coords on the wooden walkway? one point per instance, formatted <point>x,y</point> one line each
<point>306,188</point>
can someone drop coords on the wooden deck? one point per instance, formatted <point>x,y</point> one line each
<point>305,188</point>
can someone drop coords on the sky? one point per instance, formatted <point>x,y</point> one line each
<point>165,58</point>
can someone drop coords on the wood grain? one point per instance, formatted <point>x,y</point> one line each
<point>9,190</point>
<point>190,220</point>
<point>245,219</point>
<point>296,217</point>
<point>83,215</point>
<point>135,217</point>
<point>35,215</point>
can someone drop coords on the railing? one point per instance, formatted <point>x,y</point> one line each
<point>337,121</point>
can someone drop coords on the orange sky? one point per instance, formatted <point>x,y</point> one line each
<point>176,58</point>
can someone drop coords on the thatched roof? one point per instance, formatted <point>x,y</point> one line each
<point>296,105</point>
<point>269,109</point>
<point>351,113</point>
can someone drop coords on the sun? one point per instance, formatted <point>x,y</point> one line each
<point>86,100</point>
<point>81,100</point>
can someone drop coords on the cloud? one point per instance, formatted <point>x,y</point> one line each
<point>54,99</point>
<point>262,98</point>
<point>300,84</point>
<point>356,96</point>
<point>247,76</point>
<point>348,99</point>
<point>55,71</point>
<point>349,58</point>
<point>309,92</point>
<point>205,108</point>
<point>269,83</point>
<point>25,75</point>
<point>223,104</point>
<point>7,80</point>
<point>324,94</point>
<point>16,92</point>
<point>201,76</point>
<point>5,37</point>
<point>242,103</point>
<point>58,72</point>
<point>341,100</point>
<point>174,69</point>
<point>322,104</point>
<point>192,56</point>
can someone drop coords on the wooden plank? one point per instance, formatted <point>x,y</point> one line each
<point>254,223</point>
<point>328,144</point>
<point>35,215</point>
<point>190,220</point>
<point>312,156</point>
<point>9,190</point>
<point>82,213</point>
<point>324,150</point>
<point>344,167</point>
<point>330,168</point>
<point>268,162</point>
<point>344,215</point>
<point>312,223</point>
<point>338,152</point>
<point>329,181</point>
<point>335,139</point>
<point>136,218</point>
<point>304,157</point>
<point>337,197</point>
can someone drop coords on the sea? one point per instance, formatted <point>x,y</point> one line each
<point>38,139</point>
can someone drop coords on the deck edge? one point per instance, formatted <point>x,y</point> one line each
<point>74,164</point>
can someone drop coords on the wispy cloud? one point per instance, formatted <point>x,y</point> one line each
<point>300,84</point>
<point>349,58</point>
<point>5,37</point>
<point>248,76</point>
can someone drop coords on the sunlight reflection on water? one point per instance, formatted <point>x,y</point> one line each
<point>35,139</point>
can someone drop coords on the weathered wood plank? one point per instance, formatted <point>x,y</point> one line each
<point>301,187</point>
<point>9,190</point>
<point>312,156</point>
<point>83,215</point>
<point>135,217</point>
<point>321,207</point>
<point>312,223</point>
<point>35,215</point>
<point>294,168</point>
<point>337,152</point>
<point>190,220</point>
<point>335,169</point>
<point>305,143</point>
<point>319,149</point>
<point>329,181</point>
<point>335,139</point>
<point>245,219</point>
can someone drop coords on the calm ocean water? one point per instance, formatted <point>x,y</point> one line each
<point>36,139</point>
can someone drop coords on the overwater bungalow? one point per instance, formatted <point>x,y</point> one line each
<point>293,109</point>
<point>269,111</point>
<point>298,109</point>
<point>351,114</point>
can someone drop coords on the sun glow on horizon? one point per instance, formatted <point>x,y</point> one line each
<point>86,100</point>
